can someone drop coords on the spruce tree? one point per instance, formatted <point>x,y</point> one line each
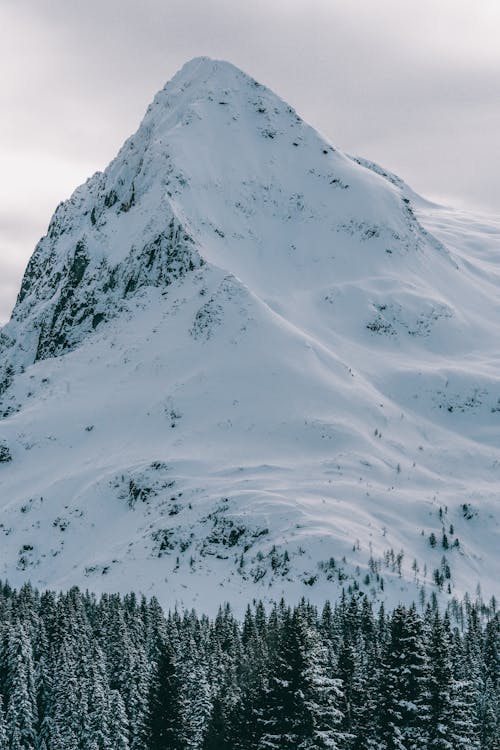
<point>3,730</point>
<point>165,703</point>
<point>322,695</point>
<point>463,729</point>
<point>195,696</point>
<point>118,731</point>
<point>96,699</point>
<point>301,706</point>
<point>283,717</point>
<point>216,736</point>
<point>68,712</point>
<point>22,715</point>
<point>405,708</point>
<point>440,686</point>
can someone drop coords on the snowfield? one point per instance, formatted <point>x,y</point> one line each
<point>243,363</point>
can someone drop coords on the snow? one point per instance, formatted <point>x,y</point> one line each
<point>319,374</point>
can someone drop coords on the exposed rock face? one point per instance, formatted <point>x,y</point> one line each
<point>71,286</point>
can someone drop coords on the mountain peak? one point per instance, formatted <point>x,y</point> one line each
<point>202,76</point>
<point>234,352</point>
<point>203,80</point>
<point>214,150</point>
<point>204,67</point>
<point>207,69</point>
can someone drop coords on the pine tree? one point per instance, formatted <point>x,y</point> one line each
<point>68,713</point>
<point>3,730</point>
<point>165,703</point>
<point>301,708</point>
<point>195,695</point>
<point>405,709</point>
<point>118,723</point>
<point>322,695</point>
<point>21,718</point>
<point>242,717</point>
<point>490,700</point>
<point>282,718</point>
<point>440,686</point>
<point>128,669</point>
<point>96,699</point>
<point>216,735</point>
<point>43,680</point>
<point>364,699</point>
<point>490,717</point>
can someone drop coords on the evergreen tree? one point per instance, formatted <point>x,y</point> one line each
<point>118,731</point>
<point>22,716</point>
<point>282,718</point>
<point>165,703</point>
<point>302,699</point>
<point>490,717</point>
<point>405,707</point>
<point>490,703</point>
<point>243,716</point>
<point>216,736</point>
<point>364,706</point>
<point>463,729</point>
<point>96,699</point>
<point>195,693</point>
<point>68,713</point>
<point>3,730</point>
<point>440,686</point>
<point>322,695</point>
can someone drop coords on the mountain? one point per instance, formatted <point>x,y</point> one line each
<point>244,363</point>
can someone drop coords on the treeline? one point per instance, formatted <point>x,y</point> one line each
<point>117,673</point>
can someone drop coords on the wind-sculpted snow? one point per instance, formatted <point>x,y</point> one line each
<point>243,361</point>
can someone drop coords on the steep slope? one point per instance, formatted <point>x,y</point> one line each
<point>239,360</point>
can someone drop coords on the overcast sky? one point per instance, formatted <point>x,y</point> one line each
<point>411,84</point>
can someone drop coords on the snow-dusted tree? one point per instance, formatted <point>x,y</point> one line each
<point>3,731</point>
<point>216,737</point>
<point>95,697</point>
<point>118,731</point>
<point>362,729</point>
<point>281,714</point>
<point>440,685</point>
<point>405,706</point>
<point>22,715</point>
<point>43,677</point>
<point>68,712</point>
<point>322,695</point>
<point>463,728</point>
<point>243,716</point>
<point>195,692</point>
<point>490,700</point>
<point>301,701</point>
<point>129,672</point>
<point>165,703</point>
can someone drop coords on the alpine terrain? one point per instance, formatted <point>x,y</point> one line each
<point>243,363</point>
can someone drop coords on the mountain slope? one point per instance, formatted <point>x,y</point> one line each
<point>238,359</point>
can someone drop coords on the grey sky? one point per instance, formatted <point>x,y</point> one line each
<point>412,84</point>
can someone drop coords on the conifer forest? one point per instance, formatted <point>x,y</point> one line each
<point>118,673</point>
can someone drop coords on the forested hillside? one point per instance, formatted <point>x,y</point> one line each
<point>81,673</point>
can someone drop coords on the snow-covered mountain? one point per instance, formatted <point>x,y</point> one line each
<point>244,363</point>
